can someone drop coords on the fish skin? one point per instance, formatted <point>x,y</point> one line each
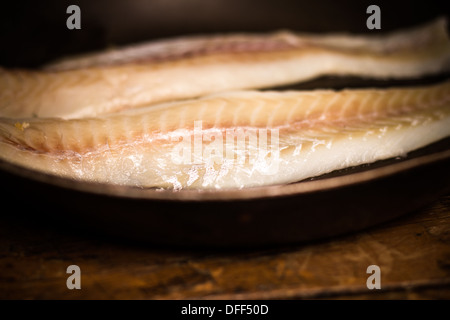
<point>192,67</point>
<point>319,131</point>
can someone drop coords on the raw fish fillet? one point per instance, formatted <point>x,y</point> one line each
<point>233,140</point>
<point>191,67</point>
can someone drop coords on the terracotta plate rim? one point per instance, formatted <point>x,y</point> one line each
<point>252,193</point>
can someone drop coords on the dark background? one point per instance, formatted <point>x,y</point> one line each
<point>35,32</point>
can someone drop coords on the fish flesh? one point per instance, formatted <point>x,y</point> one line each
<point>234,139</point>
<point>190,67</point>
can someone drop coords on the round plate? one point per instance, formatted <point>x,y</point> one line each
<point>341,202</point>
<point>333,204</point>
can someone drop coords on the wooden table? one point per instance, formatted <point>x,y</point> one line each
<point>413,254</point>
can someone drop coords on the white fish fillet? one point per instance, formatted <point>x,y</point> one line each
<point>318,132</point>
<point>193,67</point>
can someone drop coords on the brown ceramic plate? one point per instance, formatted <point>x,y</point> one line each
<point>333,204</point>
<point>337,203</point>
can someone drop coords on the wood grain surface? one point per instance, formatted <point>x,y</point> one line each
<point>413,253</point>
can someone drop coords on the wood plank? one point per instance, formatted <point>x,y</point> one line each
<point>413,253</point>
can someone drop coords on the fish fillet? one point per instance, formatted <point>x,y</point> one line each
<point>185,68</point>
<point>233,140</point>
